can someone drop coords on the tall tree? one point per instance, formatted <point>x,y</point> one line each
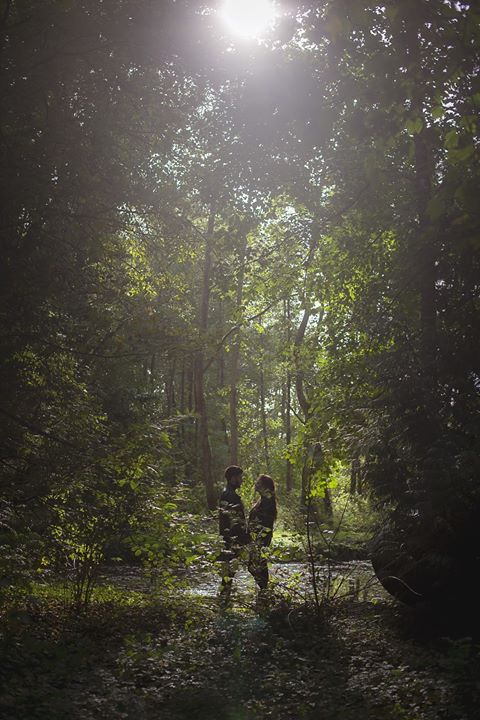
<point>199,366</point>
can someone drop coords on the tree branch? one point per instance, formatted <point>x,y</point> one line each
<point>237,327</point>
<point>41,433</point>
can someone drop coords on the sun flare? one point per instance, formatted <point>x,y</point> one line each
<point>248,18</point>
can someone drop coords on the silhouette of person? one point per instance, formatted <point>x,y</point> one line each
<point>261,519</point>
<point>232,528</point>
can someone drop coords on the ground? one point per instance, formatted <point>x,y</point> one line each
<point>177,657</point>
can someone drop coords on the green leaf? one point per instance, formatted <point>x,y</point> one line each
<point>414,126</point>
<point>462,154</point>
<point>451,139</point>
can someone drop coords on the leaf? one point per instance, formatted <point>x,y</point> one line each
<point>462,154</point>
<point>414,126</point>
<point>451,139</point>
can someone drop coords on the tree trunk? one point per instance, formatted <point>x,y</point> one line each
<point>181,401</point>
<point>288,431</point>
<point>424,251</point>
<point>303,400</point>
<point>221,352</point>
<point>189,433</point>
<point>170,389</point>
<point>235,358</point>
<point>263,412</point>
<point>152,371</point>
<point>206,469</point>
<point>181,409</point>
<point>299,375</point>
<point>190,384</point>
<point>424,168</point>
<point>355,481</point>
<point>287,415</point>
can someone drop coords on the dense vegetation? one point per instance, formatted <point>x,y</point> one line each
<point>217,252</point>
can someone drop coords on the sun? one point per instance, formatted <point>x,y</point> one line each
<point>248,18</point>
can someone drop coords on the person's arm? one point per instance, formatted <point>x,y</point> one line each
<point>254,524</point>
<point>237,530</point>
<point>260,525</point>
<point>224,521</point>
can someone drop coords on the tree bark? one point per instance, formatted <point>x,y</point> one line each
<point>303,400</point>
<point>170,389</point>
<point>424,251</point>
<point>287,421</point>
<point>235,358</point>
<point>299,375</point>
<point>205,454</point>
<point>263,412</point>
<point>288,432</point>
<point>424,168</point>
<point>355,477</point>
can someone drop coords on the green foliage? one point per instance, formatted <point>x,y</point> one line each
<point>349,201</point>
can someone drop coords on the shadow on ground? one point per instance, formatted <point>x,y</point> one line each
<point>358,661</point>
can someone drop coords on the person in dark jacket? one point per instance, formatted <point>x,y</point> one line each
<point>261,519</point>
<point>232,528</point>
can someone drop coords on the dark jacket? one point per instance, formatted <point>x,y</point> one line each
<point>261,519</point>
<point>232,523</point>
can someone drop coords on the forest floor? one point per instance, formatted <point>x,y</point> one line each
<point>139,657</point>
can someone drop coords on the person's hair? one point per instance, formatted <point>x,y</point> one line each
<point>232,471</point>
<point>269,485</point>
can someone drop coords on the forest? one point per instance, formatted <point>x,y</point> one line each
<point>239,233</point>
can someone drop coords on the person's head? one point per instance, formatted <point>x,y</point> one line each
<point>265,486</point>
<point>233,476</point>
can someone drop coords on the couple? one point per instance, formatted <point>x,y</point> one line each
<point>237,533</point>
